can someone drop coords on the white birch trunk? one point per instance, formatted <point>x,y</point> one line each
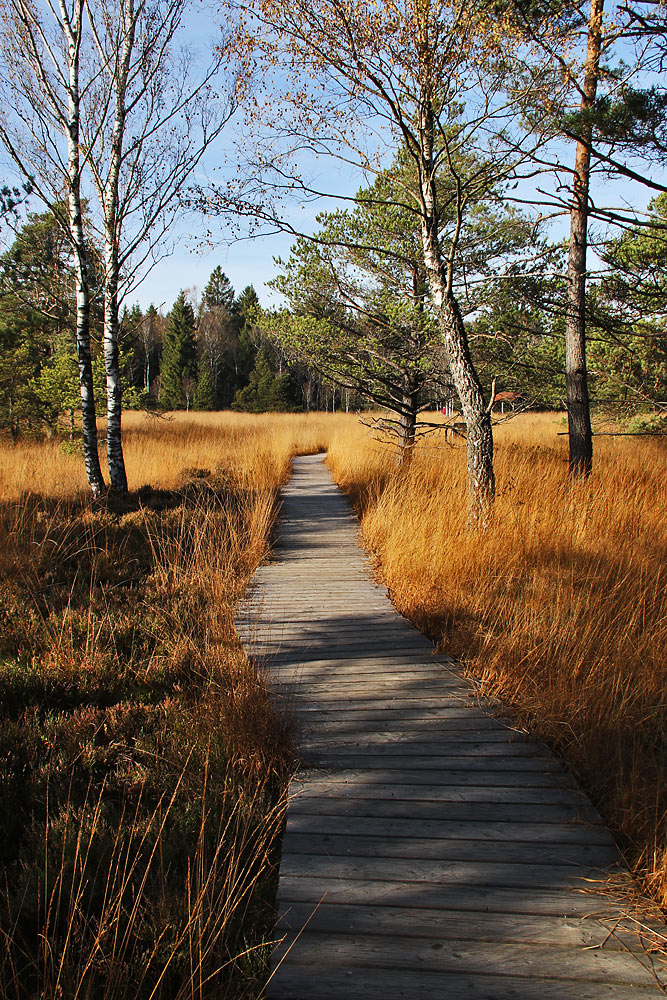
<point>73,30</point>
<point>109,200</point>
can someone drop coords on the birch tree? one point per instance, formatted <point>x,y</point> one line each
<point>150,117</point>
<point>40,127</point>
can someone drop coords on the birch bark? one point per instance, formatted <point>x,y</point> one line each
<point>118,69</point>
<point>72,26</point>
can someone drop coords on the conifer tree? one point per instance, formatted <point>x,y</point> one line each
<point>219,291</point>
<point>179,359</point>
<point>204,398</point>
<point>246,310</point>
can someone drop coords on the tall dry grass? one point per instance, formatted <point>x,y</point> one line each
<point>559,608</point>
<point>255,449</point>
<point>142,766</point>
<point>141,758</point>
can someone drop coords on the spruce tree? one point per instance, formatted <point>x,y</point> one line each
<point>256,396</point>
<point>204,398</point>
<point>219,291</point>
<point>246,310</point>
<point>179,353</point>
<point>246,306</point>
<point>266,391</point>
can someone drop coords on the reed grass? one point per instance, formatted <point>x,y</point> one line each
<point>143,767</point>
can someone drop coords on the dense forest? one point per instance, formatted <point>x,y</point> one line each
<point>328,351</point>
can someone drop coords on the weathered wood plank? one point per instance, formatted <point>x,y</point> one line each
<point>345,951</point>
<point>460,925</point>
<point>434,758</point>
<point>516,814</point>
<point>299,983</point>
<point>352,786</point>
<point>410,744</point>
<point>528,876</point>
<point>470,831</point>
<point>543,900</point>
<point>479,851</point>
<point>427,771</point>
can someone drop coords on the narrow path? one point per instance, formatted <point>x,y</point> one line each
<point>431,850</point>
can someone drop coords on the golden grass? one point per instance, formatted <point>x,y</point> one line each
<point>254,449</point>
<point>144,769</point>
<point>560,608</point>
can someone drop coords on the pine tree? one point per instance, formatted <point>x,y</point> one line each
<point>179,355</point>
<point>57,386</point>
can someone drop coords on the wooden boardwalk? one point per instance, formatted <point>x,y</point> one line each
<point>431,850</point>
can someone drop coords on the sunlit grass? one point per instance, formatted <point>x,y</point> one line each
<point>144,769</point>
<point>126,700</point>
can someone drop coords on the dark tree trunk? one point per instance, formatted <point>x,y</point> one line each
<point>407,426</point>
<point>576,378</point>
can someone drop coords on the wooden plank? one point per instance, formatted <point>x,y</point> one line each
<point>479,851</point>
<point>455,732</point>
<point>410,744</point>
<point>477,873</point>
<point>363,715</point>
<point>442,771</point>
<point>615,934</point>
<point>299,983</point>
<point>351,660</point>
<point>354,786</point>
<point>399,741</point>
<point>565,903</point>
<point>515,814</point>
<point>470,831</point>
<point>345,951</point>
<point>402,756</point>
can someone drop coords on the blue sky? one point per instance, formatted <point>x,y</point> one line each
<point>248,262</point>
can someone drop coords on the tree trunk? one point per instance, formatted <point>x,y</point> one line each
<point>406,438</point>
<point>576,379</point>
<point>439,274</point>
<point>117,475</point>
<point>479,437</point>
<point>90,452</point>
<point>12,428</point>
<point>407,427</point>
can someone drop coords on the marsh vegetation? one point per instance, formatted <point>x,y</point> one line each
<point>144,769</point>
